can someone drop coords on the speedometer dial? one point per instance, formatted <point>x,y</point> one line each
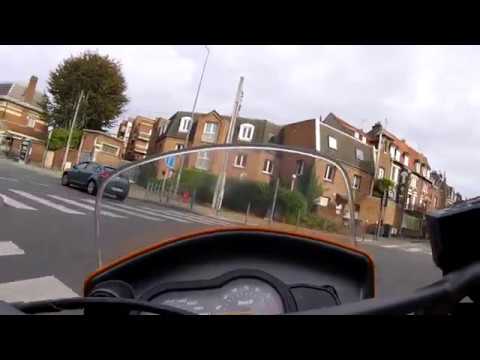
<point>239,296</point>
<point>250,296</point>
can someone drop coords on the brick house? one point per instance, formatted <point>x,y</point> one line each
<point>355,155</point>
<point>212,128</point>
<point>138,139</point>
<point>21,120</point>
<point>124,131</point>
<point>100,147</point>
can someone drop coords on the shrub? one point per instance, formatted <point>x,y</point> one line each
<point>314,222</point>
<point>240,193</point>
<point>381,186</point>
<point>290,204</point>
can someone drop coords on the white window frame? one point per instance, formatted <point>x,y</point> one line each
<point>300,167</point>
<point>332,142</point>
<point>413,181</point>
<point>392,152</point>
<point>356,184</point>
<point>208,135</point>
<point>323,201</point>
<point>108,152</point>
<point>185,124</point>
<point>267,167</point>
<point>356,135</point>
<point>417,166</point>
<point>240,161</point>
<point>382,171</point>
<point>30,122</point>
<point>246,132</point>
<point>397,155</point>
<point>357,152</point>
<point>385,146</point>
<point>406,159</point>
<point>202,158</point>
<point>392,172</point>
<point>329,173</point>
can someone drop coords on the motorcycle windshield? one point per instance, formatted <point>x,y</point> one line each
<point>181,192</point>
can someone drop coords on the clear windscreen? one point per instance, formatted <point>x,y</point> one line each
<point>193,190</point>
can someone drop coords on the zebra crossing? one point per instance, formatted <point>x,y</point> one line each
<point>401,246</point>
<point>33,289</point>
<point>25,201</point>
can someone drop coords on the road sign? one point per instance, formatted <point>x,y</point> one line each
<point>170,162</point>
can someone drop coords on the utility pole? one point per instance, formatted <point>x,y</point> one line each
<point>65,156</point>
<point>220,186</point>
<point>277,184</point>
<point>187,138</point>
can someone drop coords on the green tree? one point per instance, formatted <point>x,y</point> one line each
<point>381,186</point>
<point>104,86</point>
<point>59,138</point>
<point>310,187</point>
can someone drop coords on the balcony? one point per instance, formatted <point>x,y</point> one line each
<point>143,136</point>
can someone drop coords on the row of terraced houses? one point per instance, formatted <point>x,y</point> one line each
<point>366,156</point>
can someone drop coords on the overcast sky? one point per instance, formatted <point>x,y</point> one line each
<point>430,95</point>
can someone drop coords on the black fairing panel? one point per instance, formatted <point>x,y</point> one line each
<point>291,259</point>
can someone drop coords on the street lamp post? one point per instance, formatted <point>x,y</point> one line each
<point>187,138</point>
<point>45,152</point>
<point>404,186</point>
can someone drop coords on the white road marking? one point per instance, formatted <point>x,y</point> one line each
<point>125,211</point>
<point>192,217</point>
<point>84,206</point>
<point>46,202</point>
<point>413,249</point>
<point>8,248</point>
<point>8,179</point>
<point>390,246</point>
<point>151,213</point>
<point>42,288</point>
<point>14,203</point>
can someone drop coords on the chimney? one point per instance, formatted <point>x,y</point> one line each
<point>30,90</point>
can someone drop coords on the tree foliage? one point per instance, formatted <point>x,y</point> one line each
<point>104,86</point>
<point>310,187</point>
<point>381,186</point>
<point>59,139</point>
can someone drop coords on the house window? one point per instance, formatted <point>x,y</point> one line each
<point>332,143</point>
<point>240,161</point>
<point>357,135</point>
<point>364,139</point>
<point>405,159</point>
<point>268,166</point>
<point>31,122</point>
<point>185,124</point>
<point>435,201</point>
<point>392,151</point>
<point>246,132</point>
<point>356,181</point>
<point>395,173</point>
<point>179,146</point>
<point>109,149</point>
<point>424,171</point>
<point>323,201</point>
<point>203,161</point>
<point>428,174</point>
<point>359,154</point>
<point>381,173</point>
<point>425,187</point>
<point>210,132</point>
<point>162,129</point>
<point>385,146</point>
<point>397,155</point>
<point>413,181</point>
<point>329,173</point>
<point>300,166</point>
<point>417,166</point>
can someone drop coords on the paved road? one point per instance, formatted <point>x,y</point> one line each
<point>47,246</point>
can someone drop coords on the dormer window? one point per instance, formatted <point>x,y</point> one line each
<point>417,166</point>
<point>246,132</point>
<point>185,124</point>
<point>405,160</point>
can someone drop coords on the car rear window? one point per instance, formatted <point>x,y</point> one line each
<point>111,170</point>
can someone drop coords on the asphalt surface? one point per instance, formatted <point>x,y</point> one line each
<point>56,241</point>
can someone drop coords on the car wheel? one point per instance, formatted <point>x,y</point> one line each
<point>92,187</point>
<point>65,181</point>
<point>121,197</point>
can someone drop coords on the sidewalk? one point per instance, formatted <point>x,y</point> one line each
<point>36,168</point>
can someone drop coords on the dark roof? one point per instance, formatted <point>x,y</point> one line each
<point>341,124</point>
<point>264,129</point>
<point>16,91</point>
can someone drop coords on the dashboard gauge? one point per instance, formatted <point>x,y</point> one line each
<point>250,296</point>
<point>241,292</point>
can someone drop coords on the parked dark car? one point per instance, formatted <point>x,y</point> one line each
<point>90,175</point>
